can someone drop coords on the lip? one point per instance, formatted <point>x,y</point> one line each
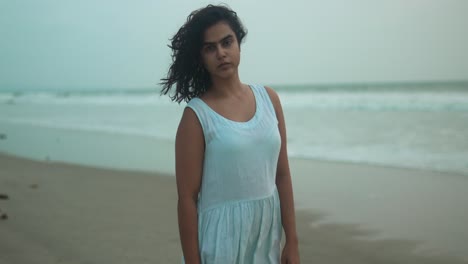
<point>223,64</point>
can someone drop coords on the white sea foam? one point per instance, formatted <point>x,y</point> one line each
<point>381,101</point>
<point>418,129</point>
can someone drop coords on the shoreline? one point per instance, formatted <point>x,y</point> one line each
<point>82,214</point>
<point>106,149</point>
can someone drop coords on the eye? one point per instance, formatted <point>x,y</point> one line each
<point>209,48</point>
<point>227,42</point>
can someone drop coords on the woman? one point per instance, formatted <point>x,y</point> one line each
<point>233,180</point>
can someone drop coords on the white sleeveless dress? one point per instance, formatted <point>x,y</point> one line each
<point>239,218</point>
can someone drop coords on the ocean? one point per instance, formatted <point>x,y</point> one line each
<point>407,125</point>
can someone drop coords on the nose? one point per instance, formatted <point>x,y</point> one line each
<point>221,52</point>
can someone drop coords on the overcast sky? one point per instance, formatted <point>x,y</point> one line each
<point>90,44</point>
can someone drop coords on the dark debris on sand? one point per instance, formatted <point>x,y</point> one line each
<point>3,216</point>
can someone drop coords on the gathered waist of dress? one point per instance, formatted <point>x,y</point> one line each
<point>235,202</point>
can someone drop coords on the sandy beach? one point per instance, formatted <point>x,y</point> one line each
<point>62,213</point>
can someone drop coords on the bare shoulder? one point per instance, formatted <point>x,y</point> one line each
<point>189,126</point>
<point>274,97</point>
<point>189,118</point>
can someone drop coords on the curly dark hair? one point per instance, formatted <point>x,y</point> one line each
<point>187,71</point>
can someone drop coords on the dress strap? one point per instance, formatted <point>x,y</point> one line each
<point>265,100</point>
<point>205,117</point>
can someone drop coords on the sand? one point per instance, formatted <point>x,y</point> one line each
<point>62,213</point>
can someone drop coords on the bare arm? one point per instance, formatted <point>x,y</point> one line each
<point>283,176</point>
<point>189,162</point>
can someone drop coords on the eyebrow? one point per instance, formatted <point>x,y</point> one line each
<point>223,39</point>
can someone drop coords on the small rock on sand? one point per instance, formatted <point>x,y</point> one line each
<point>3,216</point>
<point>3,196</point>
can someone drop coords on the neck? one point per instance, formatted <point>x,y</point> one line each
<point>226,87</point>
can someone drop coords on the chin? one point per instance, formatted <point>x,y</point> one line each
<point>223,74</point>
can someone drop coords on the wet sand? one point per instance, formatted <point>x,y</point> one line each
<point>62,213</point>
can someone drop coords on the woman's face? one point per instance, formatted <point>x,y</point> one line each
<point>220,51</point>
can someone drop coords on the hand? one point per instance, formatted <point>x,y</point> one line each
<point>290,254</point>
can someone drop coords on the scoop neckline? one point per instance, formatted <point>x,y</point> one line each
<point>252,119</point>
